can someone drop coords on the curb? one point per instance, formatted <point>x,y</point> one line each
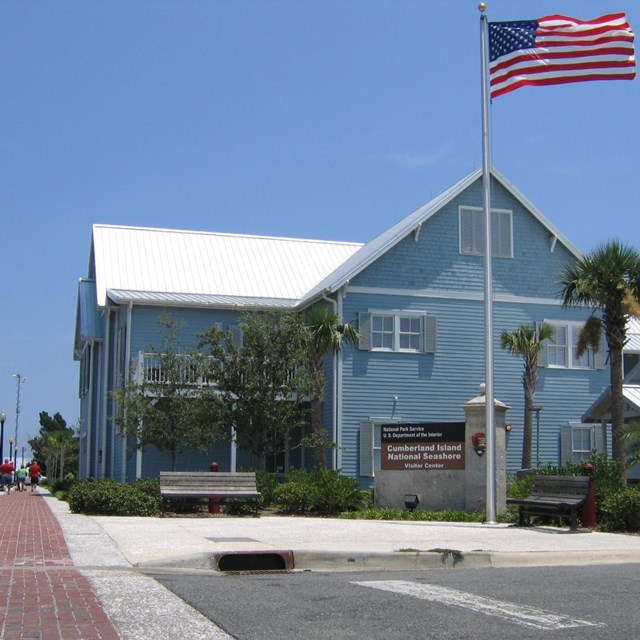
<point>409,561</point>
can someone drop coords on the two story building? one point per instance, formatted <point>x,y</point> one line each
<point>414,293</point>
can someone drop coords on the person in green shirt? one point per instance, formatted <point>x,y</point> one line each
<point>21,476</point>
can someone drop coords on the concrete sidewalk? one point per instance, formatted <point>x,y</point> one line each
<point>346,545</point>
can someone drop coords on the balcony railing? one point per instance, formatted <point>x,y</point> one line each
<point>148,368</point>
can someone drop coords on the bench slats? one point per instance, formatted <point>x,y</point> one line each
<point>561,496</point>
<point>220,485</point>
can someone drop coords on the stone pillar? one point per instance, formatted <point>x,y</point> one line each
<point>476,472</point>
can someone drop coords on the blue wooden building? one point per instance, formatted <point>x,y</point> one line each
<point>415,294</point>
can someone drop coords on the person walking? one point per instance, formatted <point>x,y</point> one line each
<point>34,474</point>
<point>6,475</point>
<point>21,477</point>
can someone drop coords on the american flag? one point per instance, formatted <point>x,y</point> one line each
<point>557,49</point>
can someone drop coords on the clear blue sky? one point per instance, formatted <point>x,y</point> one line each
<point>302,118</point>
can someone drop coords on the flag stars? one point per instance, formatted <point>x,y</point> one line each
<point>505,37</point>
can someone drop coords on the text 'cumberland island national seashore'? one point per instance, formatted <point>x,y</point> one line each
<point>423,446</point>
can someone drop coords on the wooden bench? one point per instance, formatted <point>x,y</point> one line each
<point>217,485</point>
<point>556,496</point>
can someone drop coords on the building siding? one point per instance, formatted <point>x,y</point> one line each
<point>423,273</point>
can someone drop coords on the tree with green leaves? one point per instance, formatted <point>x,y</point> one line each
<point>608,281</point>
<point>165,406</point>
<point>325,335</point>
<point>260,383</point>
<point>56,445</point>
<point>526,342</point>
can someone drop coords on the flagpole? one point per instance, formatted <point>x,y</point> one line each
<point>488,276</point>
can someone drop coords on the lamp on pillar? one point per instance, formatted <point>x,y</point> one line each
<point>3,417</point>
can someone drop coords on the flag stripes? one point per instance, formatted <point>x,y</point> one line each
<point>557,50</point>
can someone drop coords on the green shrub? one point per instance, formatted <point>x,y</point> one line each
<point>293,497</point>
<point>417,515</point>
<point>322,491</point>
<point>150,486</point>
<point>620,510</point>
<point>267,483</point>
<point>57,486</point>
<point>108,497</point>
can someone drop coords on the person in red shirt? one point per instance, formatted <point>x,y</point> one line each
<point>34,474</point>
<point>6,475</point>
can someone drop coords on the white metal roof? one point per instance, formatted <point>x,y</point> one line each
<point>193,263</point>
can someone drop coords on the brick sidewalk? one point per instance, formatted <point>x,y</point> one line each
<point>42,596</point>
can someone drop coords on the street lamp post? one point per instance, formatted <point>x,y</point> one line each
<point>537,409</point>
<point>19,380</point>
<point>3,417</point>
<point>10,448</point>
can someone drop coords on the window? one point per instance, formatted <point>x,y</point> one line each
<point>562,349</point>
<point>382,332</point>
<point>579,440</point>
<point>580,444</point>
<point>408,332</point>
<point>472,232</point>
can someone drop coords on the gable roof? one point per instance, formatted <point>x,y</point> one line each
<point>389,238</point>
<point>88,325</point>
<point>165,266</point>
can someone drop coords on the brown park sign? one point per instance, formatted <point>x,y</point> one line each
<point>424,446</point>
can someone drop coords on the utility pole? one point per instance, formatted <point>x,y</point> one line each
<point>19,380</point>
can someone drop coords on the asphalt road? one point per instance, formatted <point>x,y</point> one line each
<point>594,603</point>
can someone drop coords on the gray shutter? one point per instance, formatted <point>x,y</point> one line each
<point>366,449</point>
<point>364,329</point>
<point>599,357</point>
<point>429,334</point>
<point>543,358</point>
<point>237,335</point>
<point>600,438</point>
<point>565,445</point>
<point>501,236</point>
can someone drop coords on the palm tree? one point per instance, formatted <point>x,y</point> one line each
<point>527,341</point>
<point>608,279</point>
<point>324,335</point>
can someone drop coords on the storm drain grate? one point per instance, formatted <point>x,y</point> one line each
<point>254,561</point>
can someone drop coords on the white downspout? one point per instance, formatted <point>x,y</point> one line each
<point>337,405</point>
<point>127,370</point>
<point>102,453</point>
<point>87,444</point>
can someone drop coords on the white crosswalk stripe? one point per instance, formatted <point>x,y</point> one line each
<point>515,613</point>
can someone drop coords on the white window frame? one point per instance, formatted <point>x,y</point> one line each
<point>599,440</point>
<point>578,455</point>
<point>571,361</point>
<point>501,223</point>
<point>397,318</point>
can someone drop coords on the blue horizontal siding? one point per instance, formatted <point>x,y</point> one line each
<point>434,387</point>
